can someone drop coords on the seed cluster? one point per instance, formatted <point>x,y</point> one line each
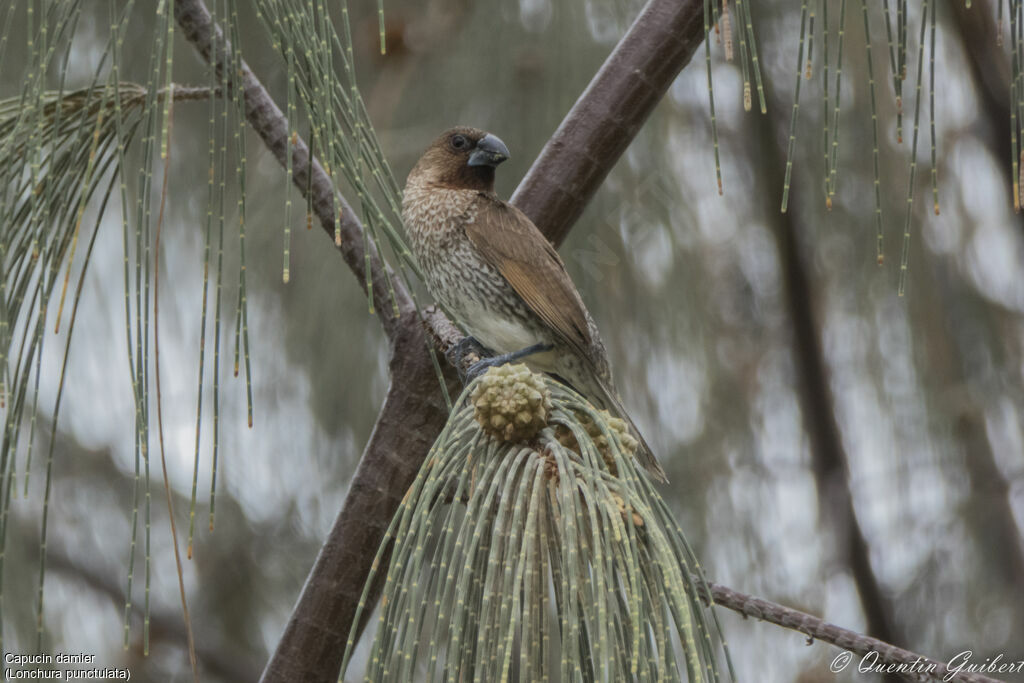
<point>617,425</point>
<point>511,403</point>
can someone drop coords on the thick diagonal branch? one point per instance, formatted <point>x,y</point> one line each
<point>411,418</point>
<point>609,114</point>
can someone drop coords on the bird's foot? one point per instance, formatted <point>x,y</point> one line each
<point>465,354</point>
<point>468,345</point>
<point>480,367</point>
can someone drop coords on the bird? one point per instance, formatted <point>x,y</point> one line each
<point>487,264</point>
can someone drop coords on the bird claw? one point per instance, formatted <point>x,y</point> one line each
<point>466,348</point>
<point>481,366</point>
<point>468,345</point>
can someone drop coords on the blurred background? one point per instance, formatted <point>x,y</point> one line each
<point>831,445</point>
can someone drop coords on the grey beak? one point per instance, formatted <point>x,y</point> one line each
<point>490,151</point>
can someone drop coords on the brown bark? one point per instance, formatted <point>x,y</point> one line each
<point>816,628</point>
<point>269,122</point>
<point>313,643</point>
<point>609,114</point>
<point>412,415</point>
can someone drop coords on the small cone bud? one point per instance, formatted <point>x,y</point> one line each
<point>511,403</point>
<point>627,442</point>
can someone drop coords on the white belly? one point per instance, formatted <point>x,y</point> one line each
<point>500,334</point>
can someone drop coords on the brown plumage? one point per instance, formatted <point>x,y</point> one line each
<point>490,267</point>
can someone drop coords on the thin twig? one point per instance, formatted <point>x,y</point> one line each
<point>816,628</point>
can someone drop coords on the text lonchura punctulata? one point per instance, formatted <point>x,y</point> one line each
<point>493,270</point>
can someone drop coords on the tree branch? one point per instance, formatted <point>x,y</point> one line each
<point>269,122</point>
<point>817,628</point>
<point>609,114</point>
<point>411,418</point>
<point>314,640</point>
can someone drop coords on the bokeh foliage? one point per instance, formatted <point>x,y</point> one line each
<point>926,389</point>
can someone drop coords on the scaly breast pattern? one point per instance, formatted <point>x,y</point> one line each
<point>458,278</point>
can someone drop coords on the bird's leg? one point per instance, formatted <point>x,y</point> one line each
<point>468,345</point>
<point>481,367</point>
<point>465,353</point>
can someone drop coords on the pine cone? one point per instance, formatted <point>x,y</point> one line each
<point>511,403</point>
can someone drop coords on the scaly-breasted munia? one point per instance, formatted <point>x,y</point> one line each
<point>490,267</point>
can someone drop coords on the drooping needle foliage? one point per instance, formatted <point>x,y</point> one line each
<point>546,558</point>
<point>61,152</point>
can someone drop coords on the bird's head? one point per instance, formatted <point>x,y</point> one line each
<point>461,158</point>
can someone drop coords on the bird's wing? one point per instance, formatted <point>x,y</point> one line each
<point>511,243</point>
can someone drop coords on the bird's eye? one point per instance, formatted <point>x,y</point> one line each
<point>459,142</point>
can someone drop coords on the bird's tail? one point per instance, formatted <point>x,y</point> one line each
<point>610,398</point>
